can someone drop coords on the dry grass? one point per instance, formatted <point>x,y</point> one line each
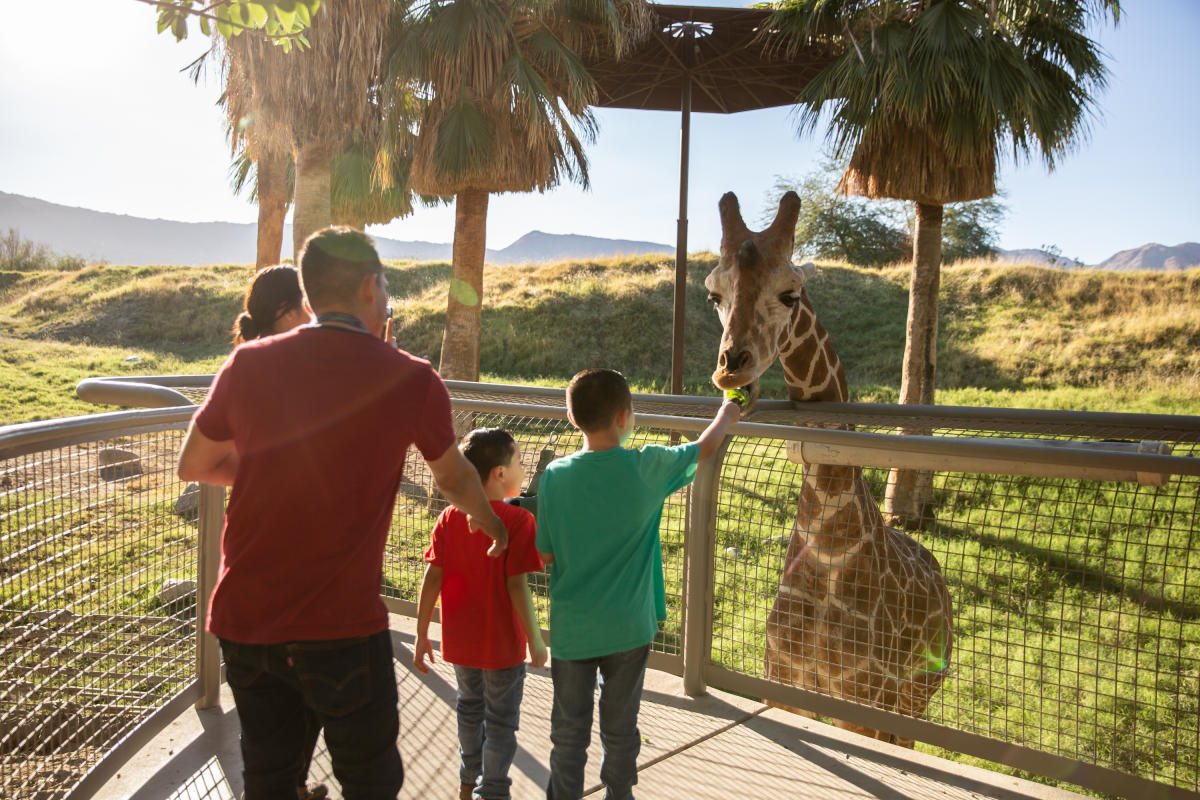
<point>1026,330</point>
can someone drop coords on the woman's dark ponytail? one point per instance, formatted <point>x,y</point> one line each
<point>273,292</point>
<point>244,328</point>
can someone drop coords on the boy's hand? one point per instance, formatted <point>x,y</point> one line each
<point>422,651</point>
<point>729,413</point>
<point>538,654</point>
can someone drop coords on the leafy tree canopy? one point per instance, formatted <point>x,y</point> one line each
<point>969,230</point>
<point>873,233</point>
<point>282,21</point>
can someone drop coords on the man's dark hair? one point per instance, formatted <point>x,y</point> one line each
<point>488,448</point>
<point>596,396</point>
<point>333,263</point>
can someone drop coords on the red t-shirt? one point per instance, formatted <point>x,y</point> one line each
<point>322,419</point>
<point>480,629</point>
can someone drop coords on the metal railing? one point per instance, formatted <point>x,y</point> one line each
<point>99,646</point>
<point>1076,652</point>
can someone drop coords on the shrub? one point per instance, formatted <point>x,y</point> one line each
<point>22,255</point>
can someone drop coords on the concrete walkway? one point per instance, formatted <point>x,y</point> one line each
<point>719,746</point>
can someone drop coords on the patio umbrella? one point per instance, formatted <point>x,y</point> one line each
<point>707,59</point>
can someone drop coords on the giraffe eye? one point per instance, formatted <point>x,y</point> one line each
<point>714,298</point>
<point>789,299</point>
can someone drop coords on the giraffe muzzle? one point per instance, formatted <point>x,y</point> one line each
<point>734,363</point>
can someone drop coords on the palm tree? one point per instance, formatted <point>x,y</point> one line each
<point>924,96</point>
<point>309,103</point>
<point>359,194</point>
<point>259,141</point>
<point>506,110</point>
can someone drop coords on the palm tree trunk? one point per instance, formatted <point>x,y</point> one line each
<point>311,212</point>
<point>272,207</point>
<point>909,498</point>
<point>460,341</point>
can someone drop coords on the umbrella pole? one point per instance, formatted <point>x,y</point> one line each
<point>681,239</point>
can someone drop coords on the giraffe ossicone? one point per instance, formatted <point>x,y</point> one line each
<point>862,611</point>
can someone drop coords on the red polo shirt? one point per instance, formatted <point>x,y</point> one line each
<point>322,419</point>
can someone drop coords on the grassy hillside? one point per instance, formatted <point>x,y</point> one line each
<point>1011,335</point>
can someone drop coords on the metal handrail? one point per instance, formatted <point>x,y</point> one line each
<point>1093,455</point>
<point>146,391</point>
<point>28,437</point>
<point>141,391</point>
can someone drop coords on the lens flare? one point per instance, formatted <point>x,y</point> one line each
<point>796,561</point>
<point>462,292</point>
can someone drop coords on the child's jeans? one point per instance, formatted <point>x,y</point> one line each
<point>621,676</point>
<point>489,711</point>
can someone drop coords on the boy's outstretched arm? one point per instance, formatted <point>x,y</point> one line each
<point>522,600</point>
<point>431,587</point>
<point>714,434</point>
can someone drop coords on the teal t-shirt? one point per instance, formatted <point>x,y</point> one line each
<point>598,515</point>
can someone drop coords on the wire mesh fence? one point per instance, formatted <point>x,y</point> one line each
<point>1074,602</point>
<point>97,602</point>
<point>1071,628</point>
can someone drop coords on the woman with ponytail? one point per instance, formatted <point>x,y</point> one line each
<point>273,304</point>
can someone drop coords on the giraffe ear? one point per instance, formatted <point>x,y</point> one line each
<point>804,271</point>
<point>733,228</point>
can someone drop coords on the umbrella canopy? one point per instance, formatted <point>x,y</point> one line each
<point>719,52</point>
<point>696,58</point>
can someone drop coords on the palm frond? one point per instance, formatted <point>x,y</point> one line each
<point>507,94</point>
<point>924,94</point>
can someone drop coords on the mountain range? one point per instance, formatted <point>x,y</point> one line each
<point>1151,256</point>
<point>121,239</point>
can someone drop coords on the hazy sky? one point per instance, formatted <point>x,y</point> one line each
<point>95,112</point>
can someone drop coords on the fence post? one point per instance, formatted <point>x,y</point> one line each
<point>208,557</point>
<point>699,542</point>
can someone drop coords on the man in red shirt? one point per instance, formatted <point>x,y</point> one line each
<point>310,428</point>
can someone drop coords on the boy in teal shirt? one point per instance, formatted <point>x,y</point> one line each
<point>598,518</point>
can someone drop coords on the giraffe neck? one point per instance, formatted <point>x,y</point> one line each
<point>836,512</point>
<point>811,367</point>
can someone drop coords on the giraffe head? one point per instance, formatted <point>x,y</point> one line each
<point>757,292</point>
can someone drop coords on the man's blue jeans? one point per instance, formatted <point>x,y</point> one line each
<point>350,685</point>
<point>621,676</point>
<point>489,712</point>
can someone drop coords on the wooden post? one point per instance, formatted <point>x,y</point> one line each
<point>208,651</point>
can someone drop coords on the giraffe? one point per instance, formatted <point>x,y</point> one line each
<point>862,611</point>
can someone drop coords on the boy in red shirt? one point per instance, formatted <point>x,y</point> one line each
<point>487,617</point>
